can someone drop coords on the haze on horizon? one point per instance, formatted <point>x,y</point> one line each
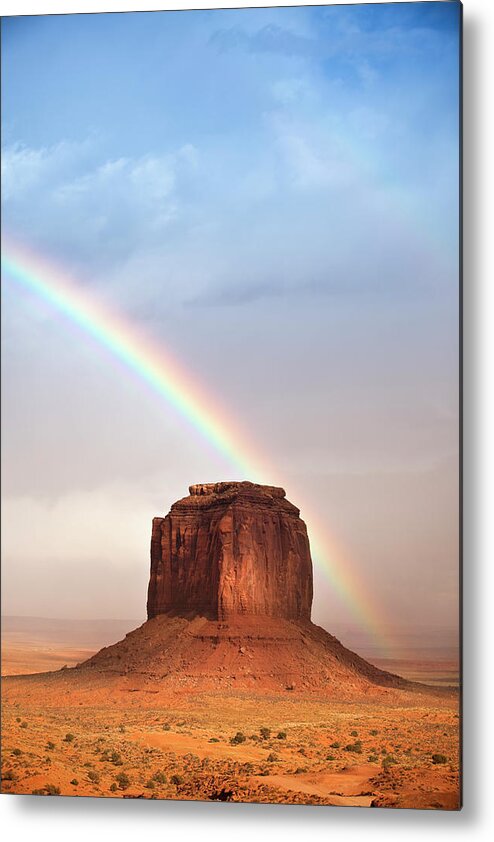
<point>273,194</point>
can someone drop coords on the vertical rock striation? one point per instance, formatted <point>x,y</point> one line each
<point>230,549</point>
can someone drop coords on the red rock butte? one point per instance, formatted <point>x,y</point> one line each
<point>231,549</point>
<point>229,604</point>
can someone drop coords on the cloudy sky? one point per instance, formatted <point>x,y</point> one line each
<point>273,195</point>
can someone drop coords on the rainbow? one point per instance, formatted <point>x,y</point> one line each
<point>156,366</point>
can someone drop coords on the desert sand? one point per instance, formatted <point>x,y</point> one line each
<point>124,738</point>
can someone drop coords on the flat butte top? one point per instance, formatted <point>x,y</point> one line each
<point>212,494</point>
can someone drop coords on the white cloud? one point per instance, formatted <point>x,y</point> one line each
<point>66,198</point>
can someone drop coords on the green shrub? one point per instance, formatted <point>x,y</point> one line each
<point>330,757</point>
<point>373,758</point>
<point>52,790</point>
<point>50,746</point>
<point>150,784</point>
<point>16,752</point>
<point>47,789</point>
<point>214,740</point>
<point>281,735</point>
<point>265,733</point>
<point>74,782</point>
<point>123,780</point>
<point>439,758</point>
<point>160,777</point>
<point>69,738</point>
<point>389,761</point>
<point>374,732</point>
<point>113,788</point>
<point>93,776</point>
<point>356,747</point>
<point>354,733</point>
<point>238,738</point>
<point>176,780</point>
<point>334,745</point>
<point>18,719</point>
<point>114,757</point>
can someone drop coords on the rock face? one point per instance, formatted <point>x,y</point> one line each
<point>231,549</point>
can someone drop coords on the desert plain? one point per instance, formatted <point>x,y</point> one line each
<point>125,738</point>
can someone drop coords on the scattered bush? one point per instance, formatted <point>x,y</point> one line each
<point>265,733</point>
<point>160,777</point>
<point>122,729</point>
<point>150,784</point>
<point>439,758</point>
<point>18,719</point>
<point>166,726</point>
<point>238,738</point>
<point>23,724</point>
<point>8,775</point>
<point>114,757</point>
<point>272,757</point>
<point>113,788</point>
<point>374,732</point>
<point>50,746</point>
<point>356,747</point>
<point>47,789</point>
<point>93,776</point>
<point>176,779</point>
<point>74,782</point>
<point>281,735</point>
<point>334,745</point>
<point>389,761</point>
<point>52,790</point>
<point>254,737</point>
<point>69,738</point>
<point>373,758</point>
<point>302,751</point>
<point>123,780</point>
<point>214,740</point>
<point>354,733</point>
<point>16,752</point>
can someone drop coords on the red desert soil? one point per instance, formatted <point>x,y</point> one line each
<point>208,731</point>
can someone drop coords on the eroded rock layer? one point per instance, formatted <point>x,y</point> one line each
<point>229,549</point>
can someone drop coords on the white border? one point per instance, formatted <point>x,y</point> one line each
<point>78,819</point>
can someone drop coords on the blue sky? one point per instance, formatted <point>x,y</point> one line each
<point>274,194</point>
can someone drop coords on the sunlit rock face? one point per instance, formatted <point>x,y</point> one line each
<point>229,549</point>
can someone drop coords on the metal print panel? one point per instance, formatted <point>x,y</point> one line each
<point>231,292</point>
